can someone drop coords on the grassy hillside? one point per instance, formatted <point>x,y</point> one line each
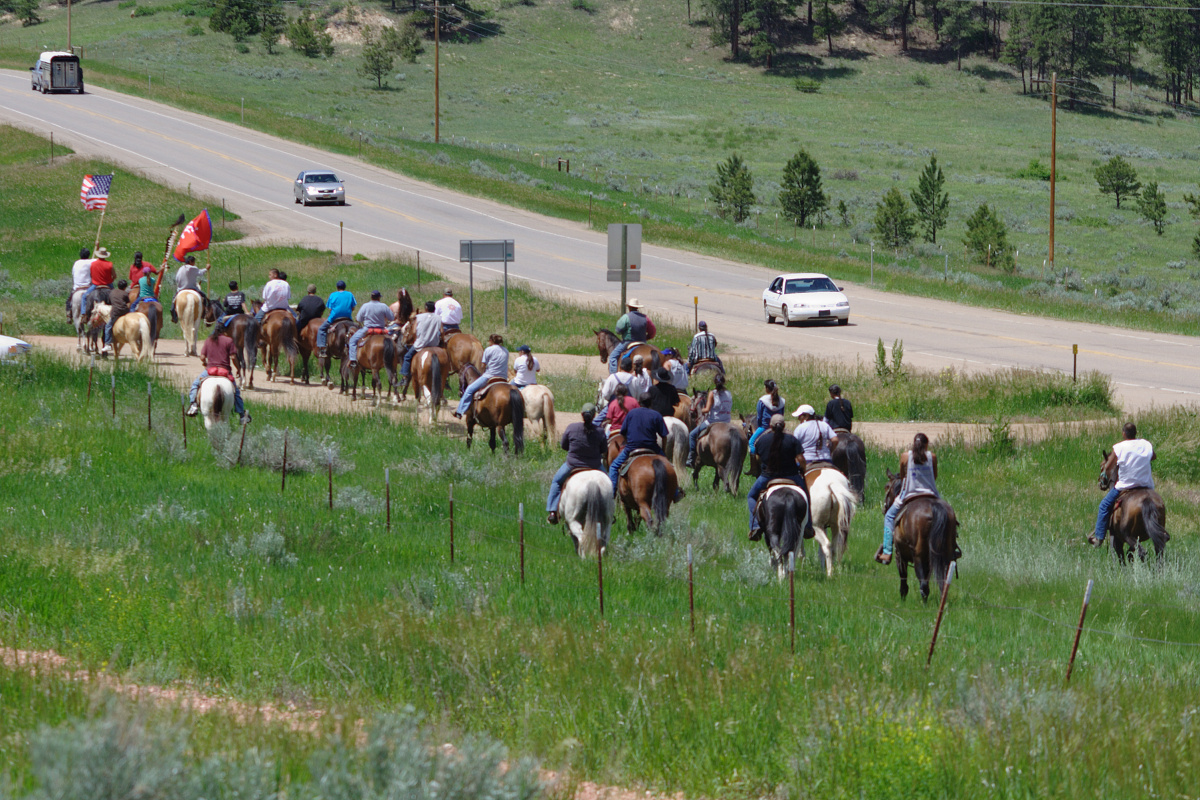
<point>644,107</point>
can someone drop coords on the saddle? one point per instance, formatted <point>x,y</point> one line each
<point>635,454</point>
<point>817,466</point>
<point>908,500</point>
<point>375,332</point>
<point>701,361</point>
<point>839,431</point>
<point>448,334</point>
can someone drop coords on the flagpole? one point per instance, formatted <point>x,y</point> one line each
<point>102,211</point>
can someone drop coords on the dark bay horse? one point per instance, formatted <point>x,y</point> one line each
<point>850,459</point>
<point>495,406</point>
<point>926,536</point>
<point>606,340</point>
<point>244,329</point>
<point>308,345</point>
<point>278,333</point>
<point>376,353</point>
<point>647,490</point>
<point>781,515</point>
<point>721,446</point>
<point>1138,515</point>
<point>337,345</point>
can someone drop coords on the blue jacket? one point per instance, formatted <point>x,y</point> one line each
<point>341,305</point>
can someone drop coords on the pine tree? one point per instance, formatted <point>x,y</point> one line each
<point>733,191</point>
<point>1193,202</point>
<point>932,204</point>
<point>273,21</point>
<point>1117,177</point>
<point>377,58</point>
<point>404,40</point>
<point>800,193</point>
<point>828,24</point>
<point>893,220</point>
<point>987,238</point>
<point>1152,205</point>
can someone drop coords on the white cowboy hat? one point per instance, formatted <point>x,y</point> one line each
<point>805,409</point>
<point>102,253</point>
<point>633,303</point>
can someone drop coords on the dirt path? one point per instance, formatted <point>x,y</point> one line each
<point>170,364</point>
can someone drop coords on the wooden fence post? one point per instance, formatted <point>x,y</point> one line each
<point>91,367</point>
<point>149,395</point>
<point>521,517</point>
<point>452,523</point>
<point>283,480</point>
<point>114,391</point>
<point>600,577</point>
<point>1087,597</point>
<point>691,592</point>
<point>792,596</point>
<point>387,495</point>
<point>242,443</point>
<point>183,416</point>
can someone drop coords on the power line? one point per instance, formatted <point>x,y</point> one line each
<point>1082,5</point>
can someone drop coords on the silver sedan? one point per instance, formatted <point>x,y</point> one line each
<point>319,186</point>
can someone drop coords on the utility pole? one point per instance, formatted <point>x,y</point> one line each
<point>69,50</point>
<point>1053,152</point>
<point>437,72</point>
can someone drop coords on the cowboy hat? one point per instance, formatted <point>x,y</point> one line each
<point>633,303</point>
<point>102,253</point>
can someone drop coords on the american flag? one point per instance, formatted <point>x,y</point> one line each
<point>94,193</point>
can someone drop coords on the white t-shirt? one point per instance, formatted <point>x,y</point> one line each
<point>640,384</point>
<point>81,274</point>
<point>450,310</point>
<point>276,294</point>
<point>523,375</point>
<point>608,388</point>
<point>1133,464</point>
<point>495,361</point>
<point>814,436</point>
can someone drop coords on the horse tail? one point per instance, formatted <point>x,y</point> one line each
<point>939,540</point>
<point>856,459</point>
<point>548,421</point>
<point>435,384</point>
<point>737,456</point>
<point>846,502</point>
<point>593,510</point>
<point>1155,529</point>
<point>389,363</point>
<point>787,516</point>
<point>660,501</point>
<point>516,402</point>
<point>250,344</point>
<point>287,337</point>
<point>146,330</point>
<point>152,318</point>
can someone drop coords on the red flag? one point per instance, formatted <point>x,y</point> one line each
<point>196,236</point>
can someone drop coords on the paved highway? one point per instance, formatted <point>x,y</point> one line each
<point>391,213</point>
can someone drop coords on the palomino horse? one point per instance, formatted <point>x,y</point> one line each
<point>216,398</point>
<point>850,458</point>
<point>244,329</point>
<point>683,411</point>
<point>782,512</point>
<point>675,446</point>
<point>648,488</point>
<point>429,372</point>
<point>1138,515</point>
<point>586,508</point>
<point>926,536</point>
<point>495,406</point>
<point>402,309</point>
<point>832,510</point>
<point>606,340</point>
<point>190,308</point>
<point>136,330</point>
<point>539,407</point>
<point>278,332</point>
<point>376,353</point>
<point>154,313</point>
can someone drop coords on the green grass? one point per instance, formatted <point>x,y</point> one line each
<point>123,550</point>
<point>645,131</point>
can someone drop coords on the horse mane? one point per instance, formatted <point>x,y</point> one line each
<point>607,332</point>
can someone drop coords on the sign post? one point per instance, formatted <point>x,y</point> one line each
<point>472,250</point>
<point>624,256</point>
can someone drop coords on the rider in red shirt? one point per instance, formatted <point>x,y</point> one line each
<point>218,355</point>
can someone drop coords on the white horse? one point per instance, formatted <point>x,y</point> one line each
<point>539,407</point>
<point>586,508</point>
<point>675,446</point>
<point>77,320</point>
<point>216,397</point>
<point>833,507</point>
<point>190,308</point>
<point>133,329</point>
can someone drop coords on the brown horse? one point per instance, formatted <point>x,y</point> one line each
<point>648,488</point>
<point>308,344</point>
<point>337,345</point>
<point>278,332</point>
<point>429,373</point>
<point>606,340</point>
<point>244,329</point>
<point>376,353</point>
<point>721,446</point>
<point>495,406</point>
<point>925,535</point>
<point>1139,515</point>
<point>462,349</point>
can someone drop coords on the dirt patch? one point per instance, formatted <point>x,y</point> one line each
<point>349,25</point>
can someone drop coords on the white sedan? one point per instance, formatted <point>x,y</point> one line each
<point>804,297</point>
<point>12,349</point>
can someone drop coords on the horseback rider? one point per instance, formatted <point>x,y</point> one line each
<point>310,307</point>
<point>341,306</point>
<point>718,407</point>
<point>526,367</point>
<point>276,295</point>
<point>139,268</point>
<point>217,355</point>
<point>679,370</point>
<point>373,316</point>
<point>81,277</point>
<point>429,334</point>
<point>768,406</point>
<point>703,348</point>
<point>633,326</point>
<point>838,411</point>
<point>613,415</point>
<point>118,300</point>
<point>188,277</point>
<point>642,429</point>
<point>145,289</point>
<point>641,381</point>
<point>450,311</point>
<point>816,438</point>
<point>495,365</point>
<point>781,457</point>
<point>918,473</point>
<point>233,303</point>
<point>585,445</point>
<point>1133,457</point>
<point>102,275</point>
<point>666,396</point>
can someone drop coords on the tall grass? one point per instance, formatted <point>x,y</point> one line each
<point>124,551</point>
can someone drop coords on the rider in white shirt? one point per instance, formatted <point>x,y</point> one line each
<point>81,276</point>
<point>815,436</point>
<point>525,367</point>
<point>1133,456</point>
<point>450,311</point>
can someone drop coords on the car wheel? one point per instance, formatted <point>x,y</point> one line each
<point>844,321</point>
<point>767,314</point>
<point>43,88</point>
<point>787,321</point>
<point>297,201</point>
<point>341,202</point>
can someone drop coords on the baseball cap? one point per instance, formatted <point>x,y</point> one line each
<point>805,409</point>
<point>702,325</point>
<point>524,349</point>
<point>341,284</point>
<point>589,408</point>
<point>449,290</point>
<point>375,293</point>
<point>776,419</point>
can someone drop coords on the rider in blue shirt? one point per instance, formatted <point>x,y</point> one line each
<point>341,305</point>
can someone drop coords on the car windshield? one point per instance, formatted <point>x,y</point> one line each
<point>803,285</point>
<point>321,177</point>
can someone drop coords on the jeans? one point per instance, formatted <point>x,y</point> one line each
<point>889,525</point>
<point>754,437</point>
<point>760,484</point>
<point>108,326</point>
<point>354,341</point>
<point>469,394</point>
<point>406,367</point>
<point>238,408</point>
<point>323,331</point>
<point>693,437</point>
<point>614,469</point>
<point>614,358</point>
<point>556,486</point>
<point>1105,511</point>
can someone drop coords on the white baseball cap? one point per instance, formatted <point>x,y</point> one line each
<point>805,409</point>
